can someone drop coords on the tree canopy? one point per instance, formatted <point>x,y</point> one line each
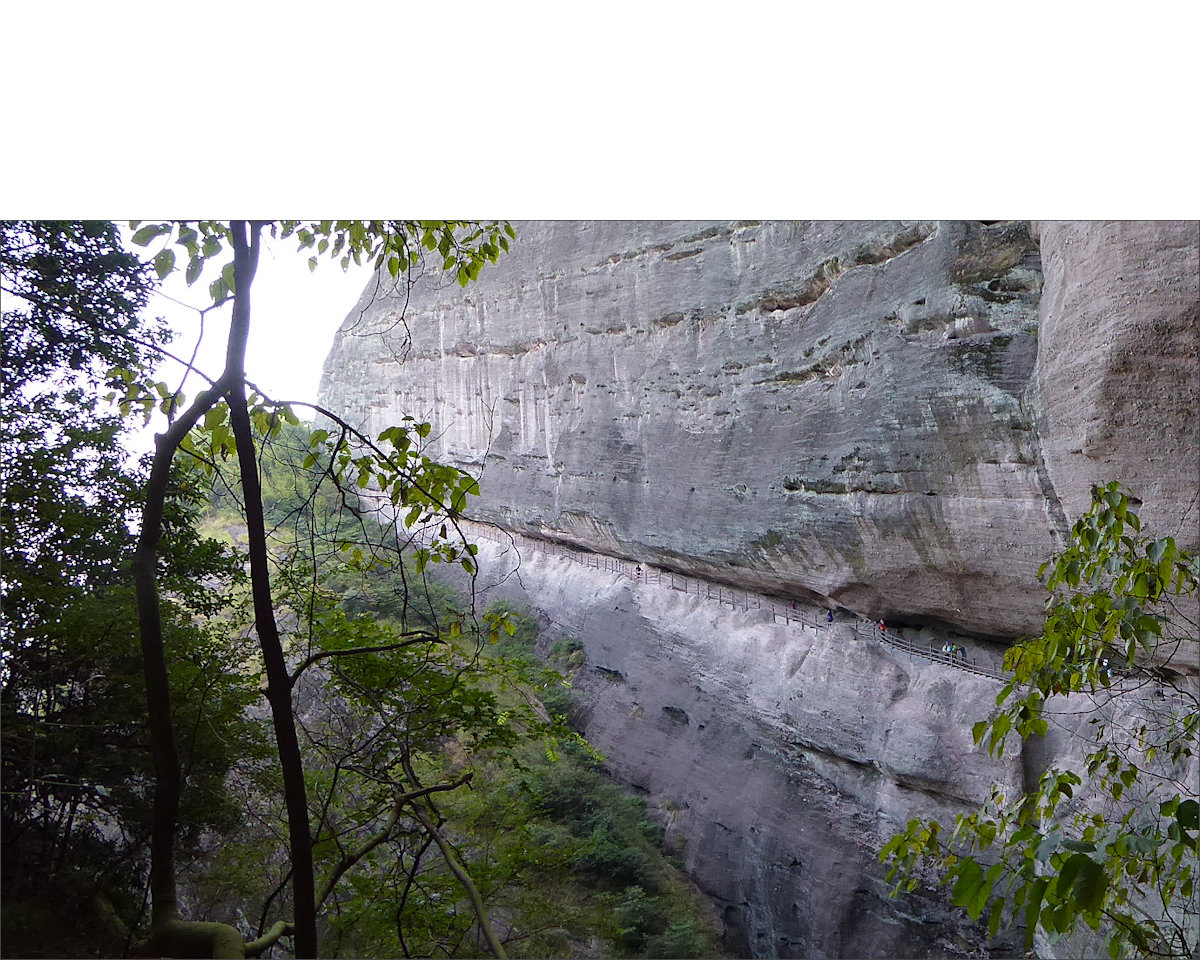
<point>76,768</point>
<point>222,420</point>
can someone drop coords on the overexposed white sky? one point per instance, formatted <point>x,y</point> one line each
<point>541,109</point>
<point>537,110</point>
<point>294,315</point>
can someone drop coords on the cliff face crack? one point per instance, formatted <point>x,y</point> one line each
<point>811,616</point>
<point>827,274</point>
<point>876,252</point>
<point>708,233</point>
<point>866,765</point>
<point>1058,516</point>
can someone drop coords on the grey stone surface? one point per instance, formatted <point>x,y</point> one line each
<point>779,757</point>
<point>894,416</point>
<point>833,409</point>
<point>1118,374</point>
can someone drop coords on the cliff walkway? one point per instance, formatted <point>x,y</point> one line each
<point>783,611</point>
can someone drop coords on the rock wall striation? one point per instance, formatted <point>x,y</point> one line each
<point>891,415</point>
<point>898,418</point>
<point>779,756</point>
<point>1118,372</point>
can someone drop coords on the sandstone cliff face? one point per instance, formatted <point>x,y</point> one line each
<point>897,418</point>
<point>780,757</point>
<point>836,410</point>
<point>846,410</point>
<point>1118,374</point>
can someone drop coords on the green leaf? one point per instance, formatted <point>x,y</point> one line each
<point>146,234</point>
<point>997,914</point>
<point>1046,848</point>
<point>1069,870</point>
<point>1091,884</point>
<point>970,878</point>
<point>1188,815</point>
<point>194,268</point>
<point>164,263</point>
<point>1033,906</point>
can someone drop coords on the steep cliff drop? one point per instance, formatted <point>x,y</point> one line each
<point>892,419</point>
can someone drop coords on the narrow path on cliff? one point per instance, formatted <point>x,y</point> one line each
<point>787,612</point>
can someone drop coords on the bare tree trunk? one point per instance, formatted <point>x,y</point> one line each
<point>279,686</point>
<point>168,932</point>
<point>163,903</point>
<point>167,772</point>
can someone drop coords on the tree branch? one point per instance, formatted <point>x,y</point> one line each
<point>350,859</point>
<point>279,688</point>
<point>413,639</point>
<point>464,878</point>
<point>281,929</point>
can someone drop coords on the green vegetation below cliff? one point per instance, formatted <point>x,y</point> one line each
<point>566,860</point>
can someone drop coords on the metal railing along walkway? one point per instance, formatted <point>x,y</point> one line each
<point>959,661</point>
<point>782,611</point>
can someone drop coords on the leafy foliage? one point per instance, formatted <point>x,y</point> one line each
<point>520,642</point>
<point>76,771</point>
<point>1111,844</point>
<point>402,696</point>
<point>541,827</point>
<point>538,824</point>
<point>73,299</point>
<point>397,246</point>
<point>227,417</point>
